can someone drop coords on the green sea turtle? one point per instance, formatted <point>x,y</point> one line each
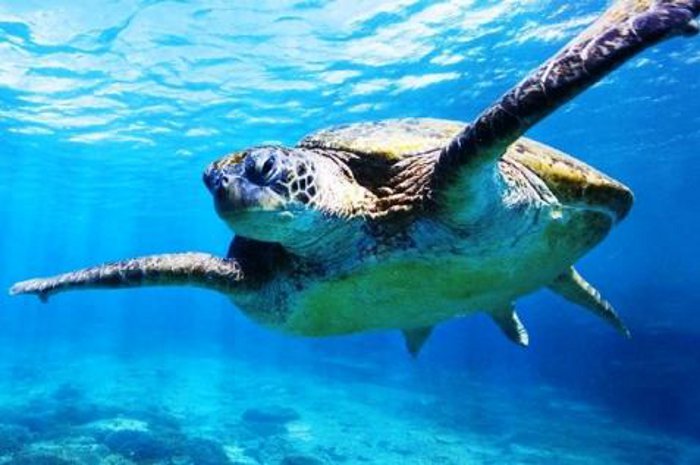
<point>406,223</point>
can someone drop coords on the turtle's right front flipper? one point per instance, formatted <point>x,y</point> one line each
<point>182,269</point>
<point>625,29</point>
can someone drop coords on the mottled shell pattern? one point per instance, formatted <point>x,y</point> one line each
<point>570,180</point>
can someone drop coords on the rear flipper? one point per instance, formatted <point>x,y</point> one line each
<point>415,339</point>
<point>196,269</point>
<point>508,320</point>
<point>574,288</point>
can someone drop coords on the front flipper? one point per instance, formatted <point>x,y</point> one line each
<point>625,29</point>
<point>196,269</point>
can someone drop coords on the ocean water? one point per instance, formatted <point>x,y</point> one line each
<point>109,112</point>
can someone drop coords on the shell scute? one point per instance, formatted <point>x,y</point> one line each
<point>388,140</point>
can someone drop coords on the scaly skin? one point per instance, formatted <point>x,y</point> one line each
<point>199,269</point>
<point>623,31</point>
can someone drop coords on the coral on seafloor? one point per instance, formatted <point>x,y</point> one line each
<point>65,427</point>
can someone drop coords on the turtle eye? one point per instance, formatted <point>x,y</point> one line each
<point>262,168</point>
<point>267,168</point>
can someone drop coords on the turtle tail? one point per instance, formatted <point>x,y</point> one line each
<point>197,269</point>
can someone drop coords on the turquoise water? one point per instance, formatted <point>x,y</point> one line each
<point>109,112</point>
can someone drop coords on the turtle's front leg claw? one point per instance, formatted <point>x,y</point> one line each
<point>37,287</point>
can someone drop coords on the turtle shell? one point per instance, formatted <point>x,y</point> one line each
<point>570,180</point>
<point>386,140</point>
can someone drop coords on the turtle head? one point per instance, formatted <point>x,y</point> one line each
<point>292,196</point>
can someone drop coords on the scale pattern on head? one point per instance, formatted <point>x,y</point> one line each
<point>296,175</point>
<point>284,195</point>
<point>302,183</point>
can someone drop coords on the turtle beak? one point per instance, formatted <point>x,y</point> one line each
<point>233,192</point>
<point>210,177</point>
<point>216,180</point>
<point>227,193</point>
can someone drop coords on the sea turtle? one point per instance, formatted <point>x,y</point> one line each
<point>406,223</point>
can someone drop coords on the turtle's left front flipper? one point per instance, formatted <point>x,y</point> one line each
<point>182,269</point>
<point>625,29</point>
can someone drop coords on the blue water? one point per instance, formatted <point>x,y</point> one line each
<point>110,110</point>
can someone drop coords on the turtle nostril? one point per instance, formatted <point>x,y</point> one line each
<point>215,180</point>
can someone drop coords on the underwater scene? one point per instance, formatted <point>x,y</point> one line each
<point>364,312</point>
